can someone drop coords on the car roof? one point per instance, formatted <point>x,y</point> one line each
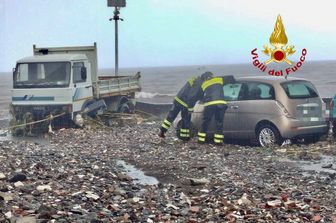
<point>269,79</point>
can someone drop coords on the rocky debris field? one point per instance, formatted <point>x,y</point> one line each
<point>81,175</point>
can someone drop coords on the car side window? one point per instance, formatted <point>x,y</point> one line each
<point>259,91</point>
<point>232,91</point>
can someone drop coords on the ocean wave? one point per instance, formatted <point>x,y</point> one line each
<point>151,95</point>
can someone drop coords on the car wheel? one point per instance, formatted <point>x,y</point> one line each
<point>268,136</point>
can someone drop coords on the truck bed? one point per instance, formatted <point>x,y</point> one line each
<point>117,85</point>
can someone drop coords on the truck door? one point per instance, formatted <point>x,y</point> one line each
<point>82,84</point>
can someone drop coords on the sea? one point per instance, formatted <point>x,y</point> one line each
<point>160,84</point>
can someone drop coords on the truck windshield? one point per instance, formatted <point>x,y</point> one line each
<point>42,75</point>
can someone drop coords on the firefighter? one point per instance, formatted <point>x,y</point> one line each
<point>214,105</point>
<point>184,102</point>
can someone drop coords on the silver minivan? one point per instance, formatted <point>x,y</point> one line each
<point>270,110</point>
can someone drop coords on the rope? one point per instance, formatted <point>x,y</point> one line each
<point>51,117</point>
<point>146,113</point>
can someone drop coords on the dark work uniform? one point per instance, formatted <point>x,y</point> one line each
<point>214,105</point>
<point>184,102</point>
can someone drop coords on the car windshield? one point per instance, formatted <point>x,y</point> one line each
<point>42,75</point>
<point>299,89</point>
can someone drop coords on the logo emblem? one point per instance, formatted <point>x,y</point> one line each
<point>278,40</point>
<point>278,52</point>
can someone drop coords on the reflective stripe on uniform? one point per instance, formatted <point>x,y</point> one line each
<point>201,134</point>
<point>184,130</point>
<point>167,122</point>
<point>216,80</point>
<point>201,139</point>
<point>217,102</point>
<point>218,140</point>
<point>164,125</point>
<point>192,80</point>
<point>219,136</point>
<point>181,102</point>
<point>191,109</point>
<point>184,135</point>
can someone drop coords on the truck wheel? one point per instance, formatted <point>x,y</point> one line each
<point>268,136</point>
<point>124,108</point>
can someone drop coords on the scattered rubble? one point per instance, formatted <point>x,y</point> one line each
<point>78,177</point>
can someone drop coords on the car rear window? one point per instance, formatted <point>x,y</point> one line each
<point>299,89</point>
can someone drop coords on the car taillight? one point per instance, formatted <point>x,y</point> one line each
<point>283,109</point>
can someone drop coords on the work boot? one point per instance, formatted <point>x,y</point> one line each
<point>185,139</point>
<point>161,134</point>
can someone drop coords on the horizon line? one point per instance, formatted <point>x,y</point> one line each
<point>188,65</point>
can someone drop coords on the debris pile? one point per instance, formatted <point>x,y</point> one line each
<point>79,175</point>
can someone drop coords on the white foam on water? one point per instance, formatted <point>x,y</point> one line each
<point>151,95</point>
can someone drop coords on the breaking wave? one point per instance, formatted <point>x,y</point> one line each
<point>151,95</point>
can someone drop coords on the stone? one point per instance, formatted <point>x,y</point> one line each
<point>317,218</point>
<point>327,166</point>
<point>6,196</point>
<point>205,191</point>
<point>27,219</point>
<point>8,215</point>
<point>18,184</point>
<point>196,182</point>
<point>172,206</point>
<point>42,188</point>
<point>92,195</point>
<point>244,200</point>
<point>2,176</point>
<point>194,209</point>
<point>274,203</point>
<point>124,177</point>
<point>18,177</point>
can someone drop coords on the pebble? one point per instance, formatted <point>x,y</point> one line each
<point>327,166</point>
<point>18,184</point>
<point>6,196</point>
<point>196,182</point>
<point>2,176</point>
<point>26,220</point>
<point>42,188</point>
<point>92,195</point>
<point>18,177</point>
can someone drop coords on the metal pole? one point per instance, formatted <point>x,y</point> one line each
<point>116,18</point>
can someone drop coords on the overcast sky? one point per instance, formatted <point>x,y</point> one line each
<point>166,32</point>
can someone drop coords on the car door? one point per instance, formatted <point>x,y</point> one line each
<point>253,105</point>
<point>232,91</point>
<point>82,84</point>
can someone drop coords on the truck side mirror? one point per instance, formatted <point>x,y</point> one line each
<point>14,73</point>
<point>83,73</point>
